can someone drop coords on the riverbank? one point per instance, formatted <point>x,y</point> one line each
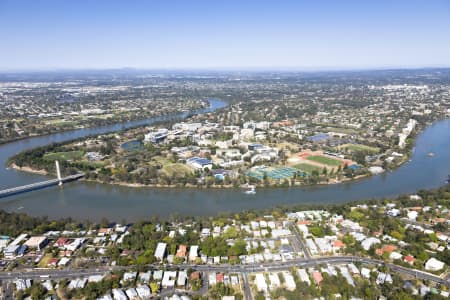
<point>332,181</point>
<point>91,200</point>
<point>28,169</point>
<point>97,123</point>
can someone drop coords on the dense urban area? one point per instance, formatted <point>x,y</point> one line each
<point>283,129</point>
<point>385,249</point>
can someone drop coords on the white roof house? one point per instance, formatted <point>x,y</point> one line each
<point>395,255</point>
<point>365,273</point>
<point>169,279</point>
<point>274,281</point>
<point>145,277</point>
<point>129,276</point>
<point>260,281</point>
<point>182,277</point>
<point>367,243</point>
<point>212,278</point>
<point>143,291</point>
<point>434,265</point>
<point>303,276</point>
<point>193,253</point>
<point>412,215</point>
<point>132,294</point>
<point>95,278</point>
<point>158,274</point>
<point>118,294</point>
<point>289,281</point>
<point>160,251</point>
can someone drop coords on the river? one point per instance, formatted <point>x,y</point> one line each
<point>84,200</point>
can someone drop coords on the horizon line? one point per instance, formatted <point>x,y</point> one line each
<point>228,69</point>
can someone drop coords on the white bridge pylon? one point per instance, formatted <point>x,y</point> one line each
<point>58,173</point>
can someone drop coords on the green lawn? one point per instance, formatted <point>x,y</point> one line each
<point>60,122</point>
<point>324,160</point>
<point>358,147</point>
<point>176,170</point>
<point>43,263</point>
<point>307,168</point>
<point>70,155</point>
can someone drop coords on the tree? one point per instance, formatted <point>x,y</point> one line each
<point>154,287</point>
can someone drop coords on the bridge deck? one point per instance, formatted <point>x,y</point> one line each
<point>37,185</point>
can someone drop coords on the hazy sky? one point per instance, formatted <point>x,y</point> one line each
<point>42,34</point>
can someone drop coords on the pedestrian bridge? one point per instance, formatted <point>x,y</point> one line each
<point>38,185</point>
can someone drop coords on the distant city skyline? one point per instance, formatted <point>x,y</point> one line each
<point>223,35</point>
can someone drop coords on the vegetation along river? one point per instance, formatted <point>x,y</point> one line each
<point>83,200</point>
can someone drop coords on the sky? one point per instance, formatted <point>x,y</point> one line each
<point>216,34</point>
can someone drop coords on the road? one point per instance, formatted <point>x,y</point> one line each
<point>241,269</point>
<point>300,241</point>
<point>247,288</point>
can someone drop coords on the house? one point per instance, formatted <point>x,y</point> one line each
<point>181,252</point>
<point>193,253</point>
<point>369,242</point>
<point>77,283</point>
<point>132,294</point>
<point>301,273</point>
<point>317,277</point>
<point>365,273</point>
<point>53,262</point>
<point>169,279</point>
<point>61,242</point>
<point>219,277</point>
<point>145,277</point>
<point>212,278</point>
<point>395,255</point>
<point>346,274</point>
<point>409,259</point>
<point>160,251</point>
<point>143,291</point>
<point>104,231</point>
<point>37,242</point>
<point>289,281</point>
<point>260,281</point>
<point>182,278</point>
<point>199,163</point>
<point>338,245</point>
<point>118,294</point>
<point>129,276</point>
<point>95,278</point>
<point>383,277</point>
<point>158,275</point>
<point>434,265</point>
<point>63,261</point>
<point>274,281</point>
<point>412,215</point>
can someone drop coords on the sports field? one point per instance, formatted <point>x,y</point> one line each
<point>70,155</point>
<point>359,147</point>
<point>307,168</point>
<point>324,160</point>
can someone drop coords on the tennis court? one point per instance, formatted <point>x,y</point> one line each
<point>274,173</point>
